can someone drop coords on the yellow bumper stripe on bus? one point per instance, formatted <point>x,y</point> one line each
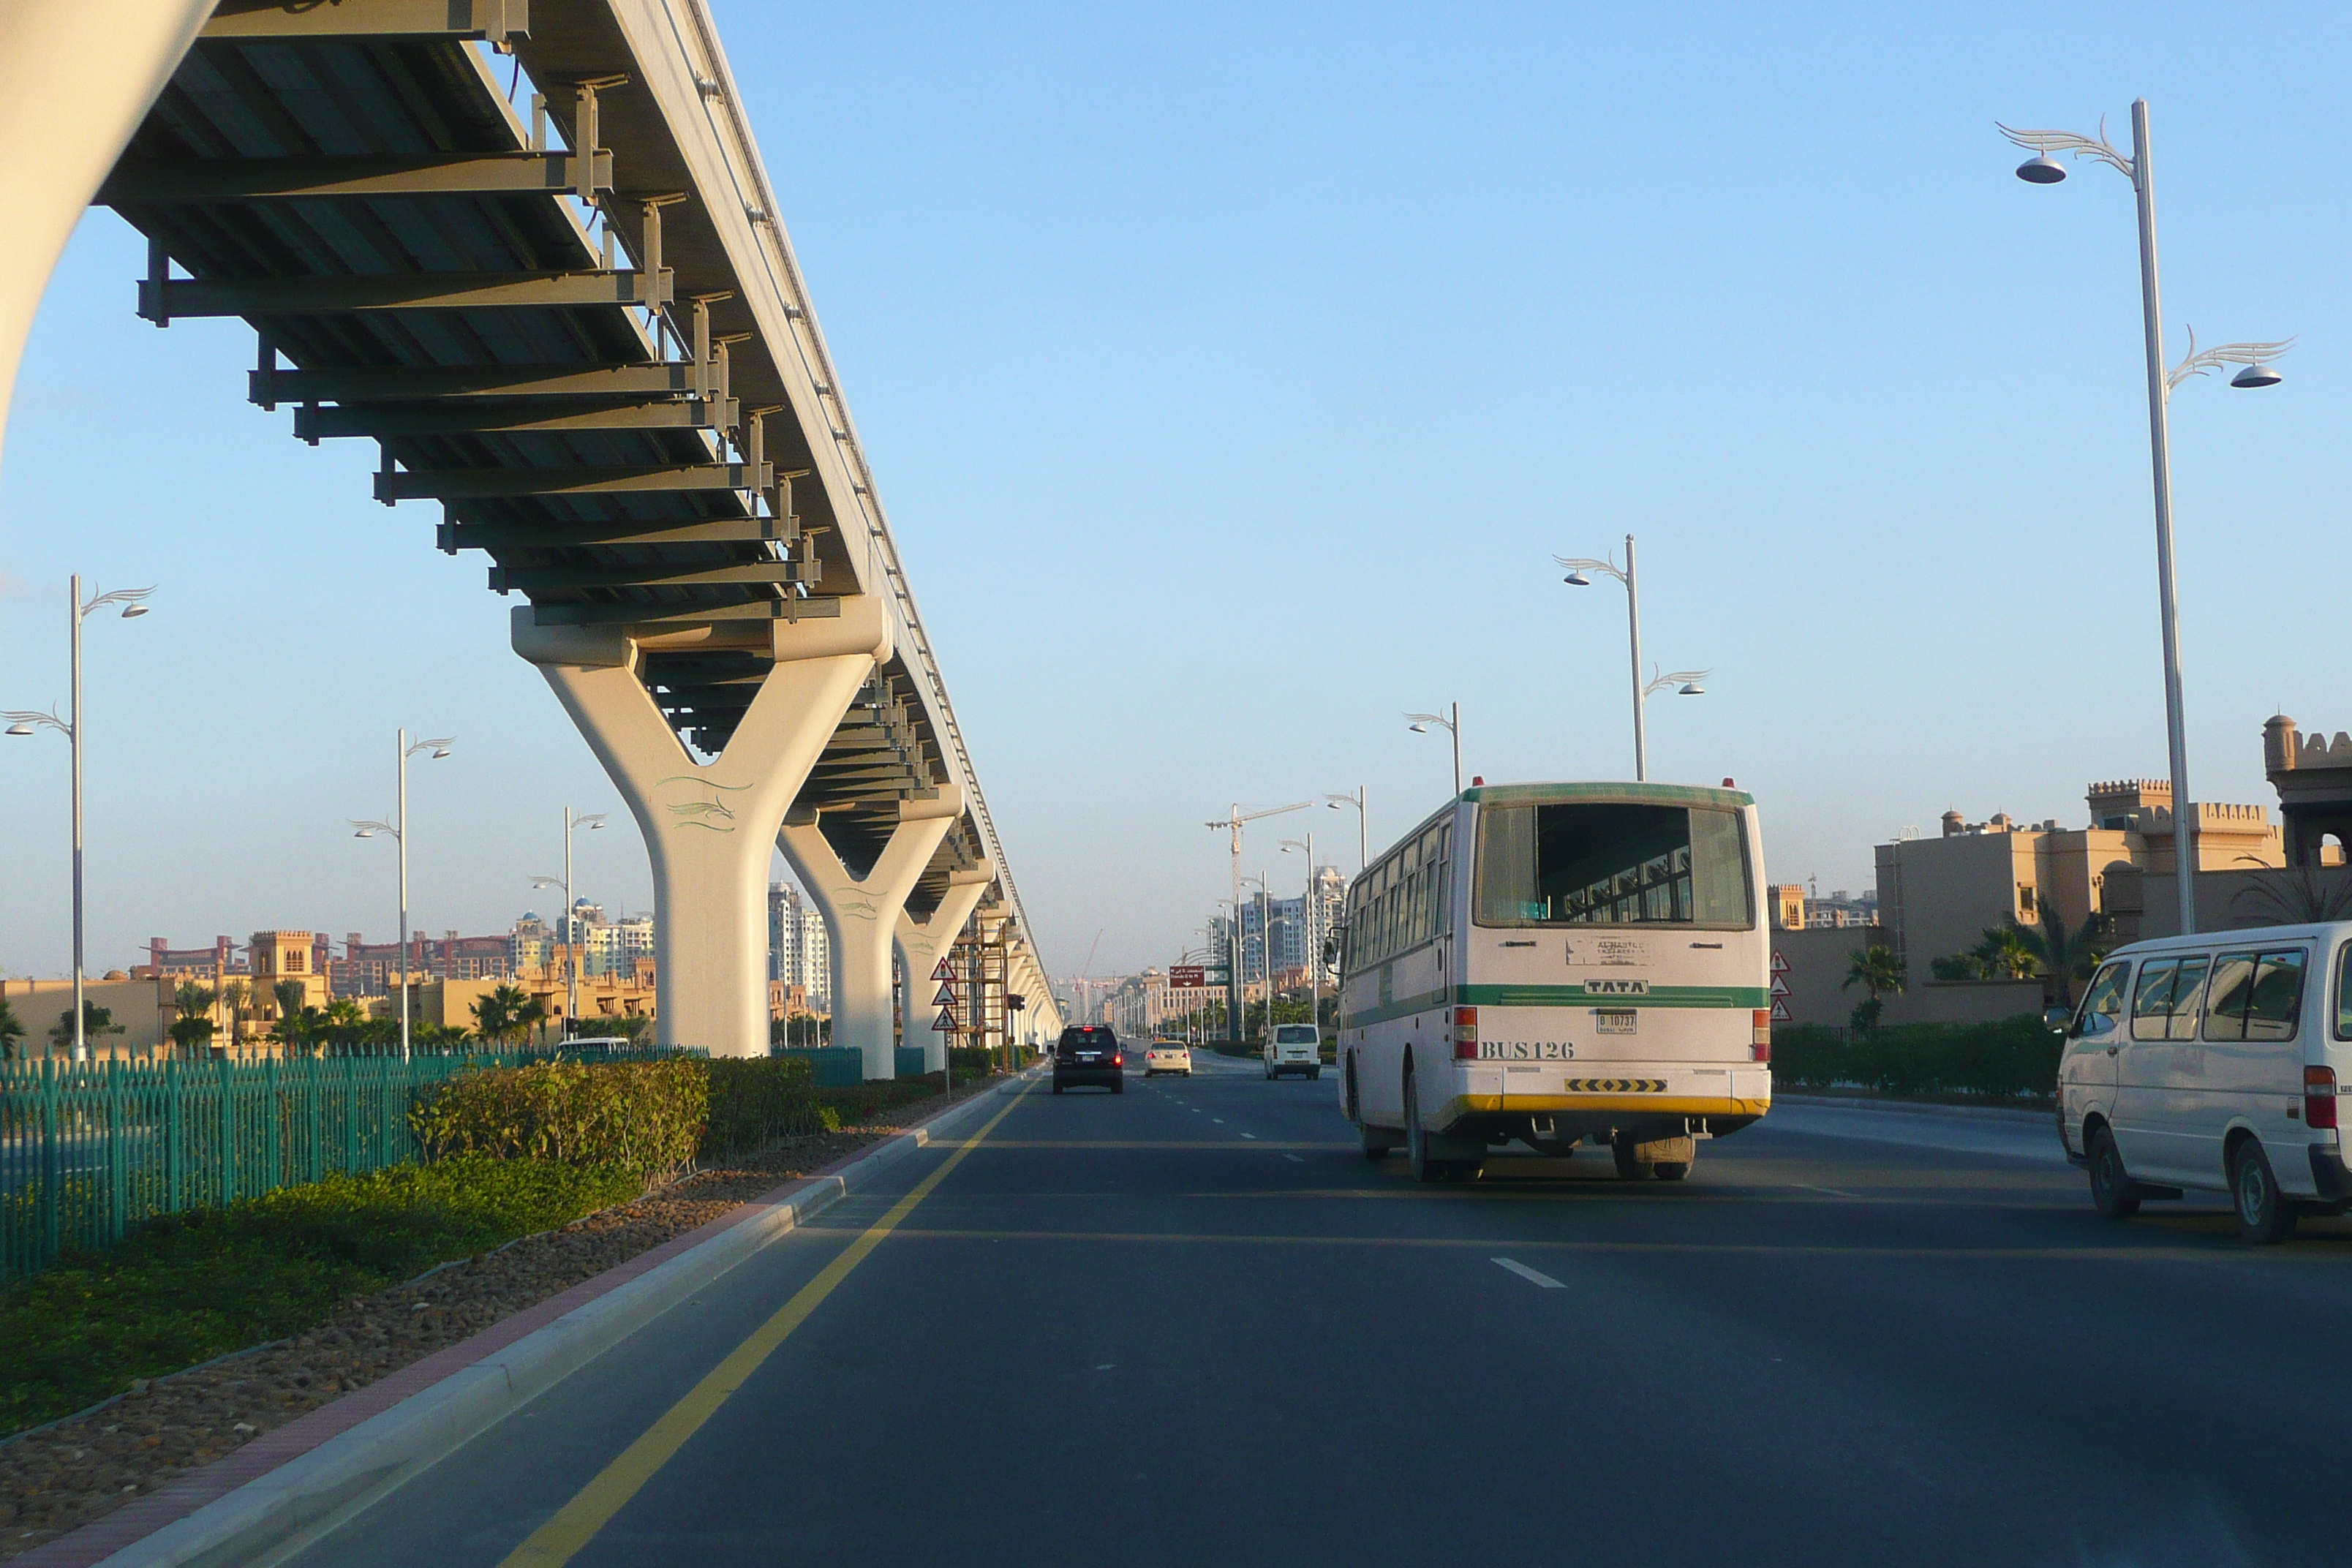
<point>1638,1104</point>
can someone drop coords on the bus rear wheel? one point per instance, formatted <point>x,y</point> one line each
<point>1425,1166</point>
<point>1631,1167</point>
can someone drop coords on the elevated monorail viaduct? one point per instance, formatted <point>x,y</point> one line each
<point>528,247</point>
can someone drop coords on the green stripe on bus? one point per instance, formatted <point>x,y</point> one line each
<point>1721,996</point>
<point>1750,996</point>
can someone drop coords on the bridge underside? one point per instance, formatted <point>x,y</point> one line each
<point>544,281</point>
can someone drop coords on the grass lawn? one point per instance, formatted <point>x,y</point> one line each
<point>194,1285</point>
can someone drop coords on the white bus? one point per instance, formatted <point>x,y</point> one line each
<point>1558,963</point>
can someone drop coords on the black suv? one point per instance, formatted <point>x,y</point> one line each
<point>1088,1054</point>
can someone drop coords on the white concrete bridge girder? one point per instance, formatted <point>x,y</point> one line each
<point>921,945</point>
<point>861,915</point>
<point>709,827</point>
<point>76,78</point>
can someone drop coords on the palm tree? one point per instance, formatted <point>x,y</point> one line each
<point>2296,896</point>
<point>288,995</point>
<point>12,1030</point>
<point>1878,970</point>
<point>343,1020</point>
<point>2006,954</point>
<point>2067,955</point>
<point>236,996</point>
<point>193,1026</point>
<point>507,1014</point>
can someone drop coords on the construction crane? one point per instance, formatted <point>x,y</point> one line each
<point>1234,959</point>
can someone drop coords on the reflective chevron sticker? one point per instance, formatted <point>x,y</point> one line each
<point>1615,1086</point>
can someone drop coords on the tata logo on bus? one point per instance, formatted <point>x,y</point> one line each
<point>1616,988</point>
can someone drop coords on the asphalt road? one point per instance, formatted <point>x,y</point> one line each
<point>1189,1324</point>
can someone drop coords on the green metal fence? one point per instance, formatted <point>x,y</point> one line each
<point>87,1151</point>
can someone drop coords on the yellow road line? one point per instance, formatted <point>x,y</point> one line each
<point>577,1522</point>
<point>1134,1143</point>
<point>2123,1253</point>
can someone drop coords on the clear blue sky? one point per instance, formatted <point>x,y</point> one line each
<point>1231,377</point>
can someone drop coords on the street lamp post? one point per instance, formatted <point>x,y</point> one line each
<point>1686,680</point>
<point>1451,723</point>
<point>1314,949</point>
<point>2042,169</point>
<point>24,723</point>
<point>398,828</point>
<point>1363,834</point>
<point>571,824</point>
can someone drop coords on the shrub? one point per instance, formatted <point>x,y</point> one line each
<point>759,1101</point>
<point>201,1283</point>
<point>646,1116</point>
<point>2005,1058</point>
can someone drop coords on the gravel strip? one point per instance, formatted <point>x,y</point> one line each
<point>60,1478</point>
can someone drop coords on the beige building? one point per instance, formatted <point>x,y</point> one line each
<point>139,1006</point>
<point>1939,896</point>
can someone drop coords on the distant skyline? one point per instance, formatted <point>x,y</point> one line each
<point>1233,376</point>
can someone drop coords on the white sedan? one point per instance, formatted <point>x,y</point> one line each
<point>1159,1058</point>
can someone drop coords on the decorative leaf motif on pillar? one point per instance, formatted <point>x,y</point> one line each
<point>711,812</point>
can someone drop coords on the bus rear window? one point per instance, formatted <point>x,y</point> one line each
<point>1577,863</point>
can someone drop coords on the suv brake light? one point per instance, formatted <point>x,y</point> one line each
<point>2319,1096</point>
<point>1465,1034</point>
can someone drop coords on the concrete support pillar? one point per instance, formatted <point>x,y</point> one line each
<point>76,78</point>
<point>709,827</point>
<point>922,946</point>
<point>861,914</point>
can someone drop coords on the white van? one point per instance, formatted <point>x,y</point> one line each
<point>2213,1062</point>
<point>1294,1047</point>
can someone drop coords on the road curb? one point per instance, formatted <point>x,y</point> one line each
<point>336,1477</point>
<point>2018,1114</point>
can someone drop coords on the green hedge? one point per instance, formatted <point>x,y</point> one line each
<point>644,1116</point>
<point>757,1102</point>
<point>2004,1059</point>
<point>204,1282</point>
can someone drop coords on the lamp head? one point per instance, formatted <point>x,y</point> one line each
<point>133,611</point>
<point>2256,375</point>
<point>2042,171</point>
<point>1418,729</point>
<point>1577,580</point>
<point>1691,688</point>
<point>20,728</point>
<point>440,752</point>
<point>363,832</point>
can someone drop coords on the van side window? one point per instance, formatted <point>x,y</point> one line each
<point>2278,996</point>
<point>2152,999</point>
<point>2187,996</point>
<point>2103,1004</point>
<point>2344,995</point>
<point>2233,988</point>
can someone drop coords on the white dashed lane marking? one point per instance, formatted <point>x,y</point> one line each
<point>1531,1274</point>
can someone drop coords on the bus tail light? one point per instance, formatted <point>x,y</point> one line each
<point>1759,1039</point>
<point>1465,1034</point>
<point>2319,1096</point>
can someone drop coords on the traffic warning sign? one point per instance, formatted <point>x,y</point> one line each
<point>942,970</point>
<point>1779,1012</point>
<point>946,1021</point>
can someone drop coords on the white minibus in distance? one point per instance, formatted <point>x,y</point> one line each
<point>1293,1048</point>
<point>2213,1062</point>
<point>1556,963</point>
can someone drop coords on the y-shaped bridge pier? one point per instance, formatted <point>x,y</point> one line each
<point>529,249</point>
